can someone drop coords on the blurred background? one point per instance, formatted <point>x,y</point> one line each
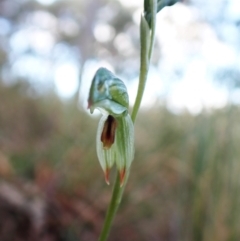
<point>184,182</point>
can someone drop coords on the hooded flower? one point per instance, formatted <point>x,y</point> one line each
<point>115,135</point>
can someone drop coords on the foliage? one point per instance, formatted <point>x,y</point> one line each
<point>184,182</point>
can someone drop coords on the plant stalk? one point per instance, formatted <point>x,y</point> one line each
<point>147,34</point>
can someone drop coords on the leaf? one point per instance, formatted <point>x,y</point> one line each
<point>160,5</point>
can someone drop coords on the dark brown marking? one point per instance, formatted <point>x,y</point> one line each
<point>108,133</point>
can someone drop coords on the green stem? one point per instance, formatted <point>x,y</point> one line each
<point>146,52</point>
<point>113,206</point>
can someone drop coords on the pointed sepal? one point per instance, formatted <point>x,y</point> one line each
<point>107,173</point>
<point>122,176</point>
<point>125,145</point>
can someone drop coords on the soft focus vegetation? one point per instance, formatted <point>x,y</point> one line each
<point>184,183</point>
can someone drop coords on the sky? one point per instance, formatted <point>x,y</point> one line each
<point>193,45</point>
<point>196,40</point>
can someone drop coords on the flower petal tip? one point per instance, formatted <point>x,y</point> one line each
<point>122,176</point>
<point>107,172</point>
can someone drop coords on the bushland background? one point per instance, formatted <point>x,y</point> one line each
<point>184,182</point>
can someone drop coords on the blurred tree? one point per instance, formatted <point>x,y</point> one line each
<point>36,38</point>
